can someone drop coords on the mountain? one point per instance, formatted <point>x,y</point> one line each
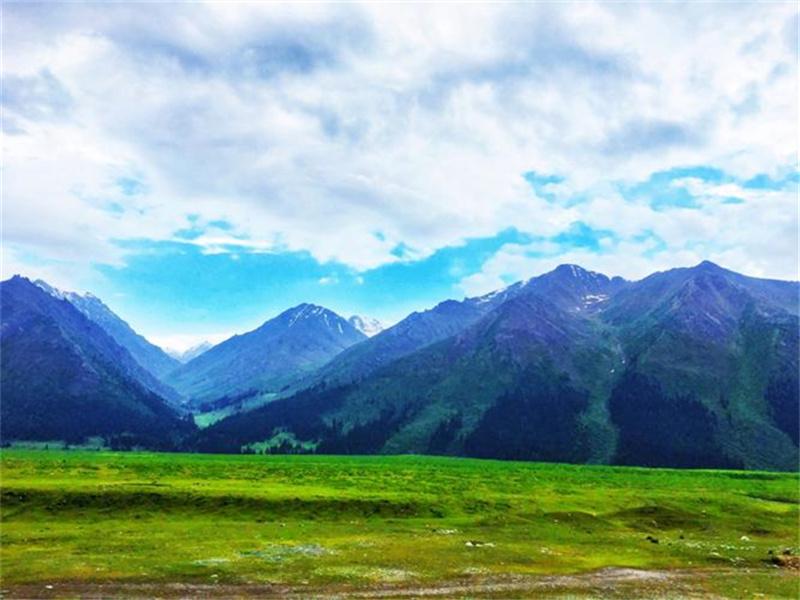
<point>573,288</point>
<point>152,358</point>
<point>365,325</point>
<point>568,287</point>
<point>688,368</point>
<point>279,353</point>
<point>65,378</point>
<point>416,331</point>
<point>712,369</point>
<point>427,400</point>
<point>193,352</point>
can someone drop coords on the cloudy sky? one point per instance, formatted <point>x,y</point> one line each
<point>201,167</point>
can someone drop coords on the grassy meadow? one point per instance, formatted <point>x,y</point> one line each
<point>77,521</point>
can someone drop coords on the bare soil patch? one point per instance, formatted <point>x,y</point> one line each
<point>610,582</point>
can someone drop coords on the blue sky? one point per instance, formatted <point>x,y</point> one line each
<point>236,289</point>
<point>202,167</point>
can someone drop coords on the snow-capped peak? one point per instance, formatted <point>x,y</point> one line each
<point>188,354</point>
<point>366,325</point>
<point>578,272</point>
<point>318,315</point>
<point>53,291</point>
<point>64,295</point>
<point>305,311</point>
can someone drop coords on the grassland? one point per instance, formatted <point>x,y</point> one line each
<point>159,524</point>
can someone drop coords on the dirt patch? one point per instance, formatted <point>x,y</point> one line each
<point>611,582</point>
<point>786,562</point>
<point>605,582</point>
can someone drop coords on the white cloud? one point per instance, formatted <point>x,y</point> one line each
<point>328,280</point>
<point>758,237</point>
<point>316,127</point>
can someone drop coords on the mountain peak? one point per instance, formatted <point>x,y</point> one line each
<point>576,272</point>
<point>708,266</point>
<point>314,316</point>
<point>304,305</point>
<point>22,284</point>
<point>306,310</point>
<point>307,307</point>
<point>366,325</point>
<point>67,295</point>
<point>279,353</point>
<point>570,268</point>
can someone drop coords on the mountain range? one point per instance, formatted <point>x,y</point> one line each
<point>184,356</point>
<point>689,367</point>
<point>692,367</point>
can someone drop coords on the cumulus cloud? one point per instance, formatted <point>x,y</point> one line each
<point>352,131</point>
<point>753,231</point>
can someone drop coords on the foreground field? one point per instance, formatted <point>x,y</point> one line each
<point>129,524</point>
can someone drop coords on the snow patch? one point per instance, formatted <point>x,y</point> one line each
<point>590,299</point>
<point>366,325</point>
<point>488,297</point>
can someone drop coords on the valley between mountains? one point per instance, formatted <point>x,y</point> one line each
<point>692,367</point>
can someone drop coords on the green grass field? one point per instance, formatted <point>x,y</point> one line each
<point>141,523</point>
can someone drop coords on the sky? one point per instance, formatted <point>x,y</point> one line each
<point>202,167</point>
